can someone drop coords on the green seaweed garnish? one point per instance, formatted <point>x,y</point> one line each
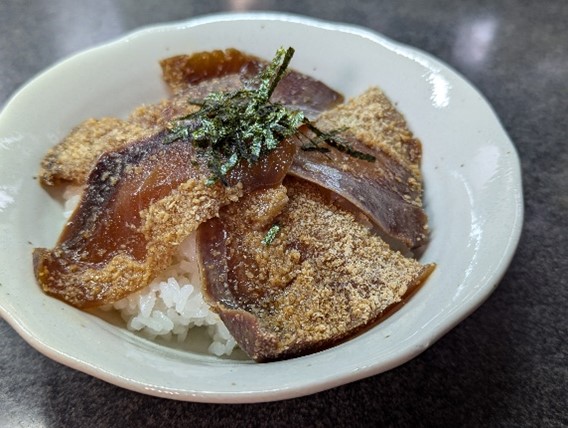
<point>271,234</point>
<point>244,124</point>
<point>333,139</point>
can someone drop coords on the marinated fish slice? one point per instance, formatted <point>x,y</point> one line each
<point>181,71</point>
<point>71,160</point>
<point>190,77</point>
<point>159,116</point>
<point>140,203</point>
<point>295,90</point>
<point>389,190</point>
<point>324,277</point>
<point>373,120</point>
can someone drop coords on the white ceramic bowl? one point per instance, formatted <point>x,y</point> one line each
<point>473,197</point>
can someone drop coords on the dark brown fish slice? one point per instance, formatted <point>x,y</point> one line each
<point>323,279</point>
<point>378,189</point>
<point>181,71</point>
<point>295,90</point>
<point>140,203</point>
<point>389,190</point>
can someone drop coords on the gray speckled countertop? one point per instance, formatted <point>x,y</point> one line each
<point>506,365</point>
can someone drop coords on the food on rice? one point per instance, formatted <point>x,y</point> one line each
<point>323,278</point>
<point>172,305</point>
<point>291,264</point>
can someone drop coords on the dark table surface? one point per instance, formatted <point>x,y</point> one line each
<point>506,365</point>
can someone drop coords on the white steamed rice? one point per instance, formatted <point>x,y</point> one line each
<point>172,304</point>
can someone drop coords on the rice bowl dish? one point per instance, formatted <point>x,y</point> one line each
<point>480,246</point>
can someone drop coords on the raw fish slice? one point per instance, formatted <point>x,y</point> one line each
<point>72,159</point>
<point>389,190</point>
<point>324,278</point>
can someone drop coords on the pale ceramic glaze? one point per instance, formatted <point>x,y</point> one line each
<point>473,198</point>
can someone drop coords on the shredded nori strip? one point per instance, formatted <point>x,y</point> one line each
<point>245,125</point>
<point>271,234</point>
